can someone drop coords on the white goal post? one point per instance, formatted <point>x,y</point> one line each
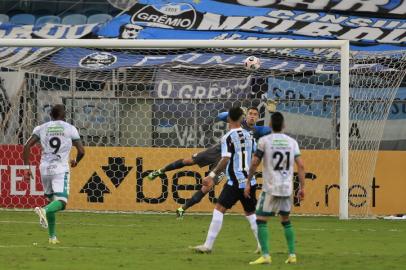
<point>341,45</point>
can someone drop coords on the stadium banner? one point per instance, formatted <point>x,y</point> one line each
<point>183,86</point>
<point>47,30</point>
<point>389,8</point>
<point>114,178</point>
<point>75,58</point>
<point>131,190</point>
<point>303,95</point>
<point>15,57</point>
<point>313,104</point>
<point>289,23</point>
<point>370,26</point>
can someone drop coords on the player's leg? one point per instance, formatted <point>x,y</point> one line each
<point>210,156</point>
<point>249,205</point>
<point>263,212</point>
<point>204,158</point>
<point>228,197</point>
<point>60,186</point>
<point>180,163</point>
<point>214,229</point>
<point>47,186</point>
<point>285,207</point>
<point>207,185</point>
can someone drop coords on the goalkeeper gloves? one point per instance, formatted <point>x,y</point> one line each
<point>244,110</point>
<point>271,105</point>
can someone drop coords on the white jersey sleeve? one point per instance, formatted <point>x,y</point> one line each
<point>261,145</point>
<point>296,150</point>
<point>225,146</point>
<point>37,131</point>
<point>74,134</point>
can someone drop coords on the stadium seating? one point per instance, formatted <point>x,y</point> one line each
<point>98,18</point>
<point>74,19</point>
<point>21,19</point>
<point>48,19</point>
<point>4,18</point>
<point>43,17</point>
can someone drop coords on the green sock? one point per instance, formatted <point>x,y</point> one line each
<point>53,207</point>
<point>263,237</point>
<point>51,224</point>
<point>290,236</point>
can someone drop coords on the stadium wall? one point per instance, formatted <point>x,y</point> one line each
<point>114,179</point>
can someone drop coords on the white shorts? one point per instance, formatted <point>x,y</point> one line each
<point>269,205</point>
<point>56,187</point>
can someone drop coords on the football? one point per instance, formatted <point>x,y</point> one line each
<point>252,63</point>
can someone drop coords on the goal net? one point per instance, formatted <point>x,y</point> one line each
<point>138,108</point>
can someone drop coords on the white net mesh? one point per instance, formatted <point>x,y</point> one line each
<point>138,110</point>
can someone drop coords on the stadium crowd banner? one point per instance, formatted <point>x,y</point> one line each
<point>383,29</point>
<point>314,103</point>
<point>390,8</point>
<point>114,178</point>
<point>373,26</point>
<point>289,22</point>
<point>17,57</point>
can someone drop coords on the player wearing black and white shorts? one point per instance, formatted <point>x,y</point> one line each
<point>237,148</point>
<point>210,157</point>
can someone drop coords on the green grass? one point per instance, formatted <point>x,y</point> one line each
<point>130,241</point>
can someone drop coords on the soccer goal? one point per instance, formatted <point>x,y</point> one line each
<point>140,104</point>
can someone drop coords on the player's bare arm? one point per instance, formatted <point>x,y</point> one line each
<point>221,166</point>
<point>80,153</point>
<point>256,160</point>
<point>301,175</point>
<point>27,152</point>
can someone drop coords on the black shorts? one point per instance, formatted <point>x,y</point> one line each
<point>231,194</point>
<point>209,156</point>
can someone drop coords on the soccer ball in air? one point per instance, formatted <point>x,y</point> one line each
<point>252,63</point>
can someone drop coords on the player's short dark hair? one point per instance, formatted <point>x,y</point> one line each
<point>235,113</point>
<point>57,111</point>
<point>253,108</point>
<point>277,121</point>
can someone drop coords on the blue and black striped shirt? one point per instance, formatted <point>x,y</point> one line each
<point>239,145</point>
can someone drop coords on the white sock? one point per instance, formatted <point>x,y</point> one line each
<point>252,219</point>
<point>214,229</point>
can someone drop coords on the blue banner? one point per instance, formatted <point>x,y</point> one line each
<point>318,100</point>
<point>213,20</point>
<point>91,59</point>
<point>386,9</point>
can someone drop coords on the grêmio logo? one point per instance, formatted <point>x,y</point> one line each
<point>176,16</point>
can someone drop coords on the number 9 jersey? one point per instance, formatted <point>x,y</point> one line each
<point>56,142</point>
<point>279,152</point>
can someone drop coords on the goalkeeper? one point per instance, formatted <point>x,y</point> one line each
<point>211,156</point>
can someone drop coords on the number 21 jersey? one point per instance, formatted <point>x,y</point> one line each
<point>279,152</point>
<point>56,142</point>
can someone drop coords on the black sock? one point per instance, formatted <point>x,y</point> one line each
<point>174,165</point>
<point>196,198</point>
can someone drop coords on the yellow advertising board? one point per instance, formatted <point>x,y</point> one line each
<point>114,178</point>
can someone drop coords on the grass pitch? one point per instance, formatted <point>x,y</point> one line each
<point>131,241</point>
